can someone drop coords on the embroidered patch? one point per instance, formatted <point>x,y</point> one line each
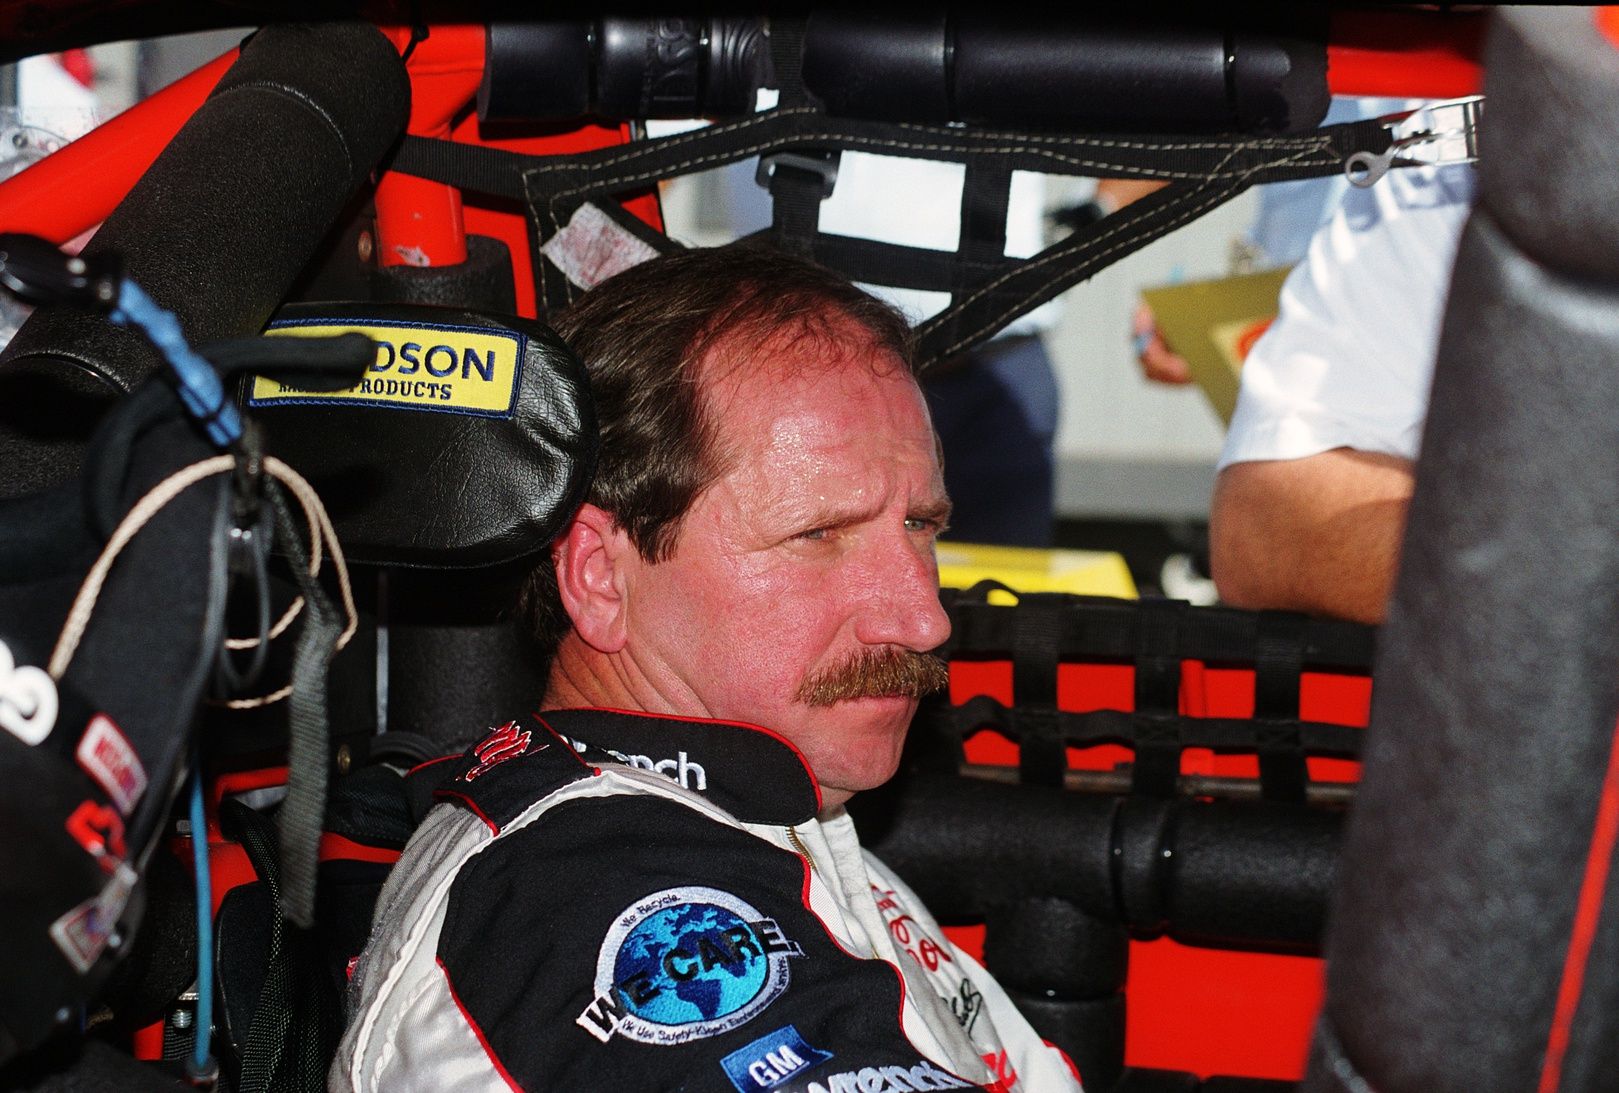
<point>506,742</point>
<point>771,1060</point>
<point>684,964</point>
<point>100,831</point>
<point>82,933</point>
<point>107,756</point>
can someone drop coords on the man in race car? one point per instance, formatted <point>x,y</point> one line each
<point>652,882</point>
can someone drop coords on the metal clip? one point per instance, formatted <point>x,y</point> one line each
<point>1438,133</point>
<point>824,165</point>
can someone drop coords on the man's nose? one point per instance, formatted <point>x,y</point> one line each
<point>903,606</point>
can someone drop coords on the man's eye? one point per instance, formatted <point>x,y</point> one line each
<point>814,535</point>
<point>923,523</point>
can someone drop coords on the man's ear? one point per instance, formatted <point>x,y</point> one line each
<point>591,558</point>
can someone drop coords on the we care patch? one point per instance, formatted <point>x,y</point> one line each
<point>418,366</point>
<point>684,964</point>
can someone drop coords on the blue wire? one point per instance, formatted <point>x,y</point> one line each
<point>200,388</point>
<point>200,1055</point>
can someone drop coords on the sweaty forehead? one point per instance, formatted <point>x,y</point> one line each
<point>809,388</point>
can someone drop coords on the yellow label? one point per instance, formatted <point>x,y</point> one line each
<point>451,369</point>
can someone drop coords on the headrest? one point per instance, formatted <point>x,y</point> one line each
<point>469,442</point>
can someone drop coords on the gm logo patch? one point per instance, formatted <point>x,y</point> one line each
<point>419,366</point>
<point>683,964</point>
<point>771,1060</point>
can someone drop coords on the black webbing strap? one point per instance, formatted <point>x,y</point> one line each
<point>309,727</point>
<point>787,60</point>
<point>986,191</point>
<point>798,183</point>
<point>1097,628</point>
<point>1224,734</point>
<point>296,1023</point>
<point>1042,755</point>
<point>1157,635</point>
<point>1278,662</point>
<point>1157,698</point>
<point>990,291</point>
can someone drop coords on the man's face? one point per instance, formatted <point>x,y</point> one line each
<point>815,546</point>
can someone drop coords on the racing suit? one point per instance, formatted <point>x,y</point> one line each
<point>608,900</point>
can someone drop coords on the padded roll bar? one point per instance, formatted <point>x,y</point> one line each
<point>1090,72</point>
<point>217,230</point>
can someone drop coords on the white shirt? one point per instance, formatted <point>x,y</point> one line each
<point>1349,360</point>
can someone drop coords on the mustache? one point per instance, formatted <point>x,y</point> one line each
<point>876,673</point>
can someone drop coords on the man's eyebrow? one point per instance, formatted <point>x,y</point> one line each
<point>938,508</point>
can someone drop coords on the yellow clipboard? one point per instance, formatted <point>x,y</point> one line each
<point>1213,324</point>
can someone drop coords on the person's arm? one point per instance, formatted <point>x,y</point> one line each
<point>1319,534</point>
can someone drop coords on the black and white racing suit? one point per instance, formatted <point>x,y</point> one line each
<point>615,901</point>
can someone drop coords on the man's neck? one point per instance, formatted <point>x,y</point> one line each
<point>576,679</point>
<point>583,676</point>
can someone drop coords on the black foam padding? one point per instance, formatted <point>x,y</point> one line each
<point>1251,869</point>
<point>1140,871</point>
<point>886,65</point>
<point>1247,1085</point>
<point>644,66</point>
<point>438,487</point>
<point>966,846</point>
<point>623,66</point>
<point>458,663</point>
<point>453,684</point>
<point>1096,72</point>
<point>483,282</point>
<point>1277,71</point>
<point>1090,1032</point>
<point>535,66</point>
<point>49,407</point>
<point>1493,720</point>
<point>217,229</point>
<point>1051,948</point>
<point>1251,874</point>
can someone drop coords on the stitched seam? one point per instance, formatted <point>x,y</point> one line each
<point>1297,155</point>
<point>1314,143</point>
<point>1035,263</point>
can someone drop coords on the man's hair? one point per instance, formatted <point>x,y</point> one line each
<point>646,337</point>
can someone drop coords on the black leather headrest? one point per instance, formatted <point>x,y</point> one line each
<point>467,444</point>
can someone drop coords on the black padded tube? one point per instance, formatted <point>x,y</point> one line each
<point>217,230</point>
<point>1467,863</point>
<point>1107,72</point>
<point>1245,874</point>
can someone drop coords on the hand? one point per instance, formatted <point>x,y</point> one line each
<point>1159,363</point>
